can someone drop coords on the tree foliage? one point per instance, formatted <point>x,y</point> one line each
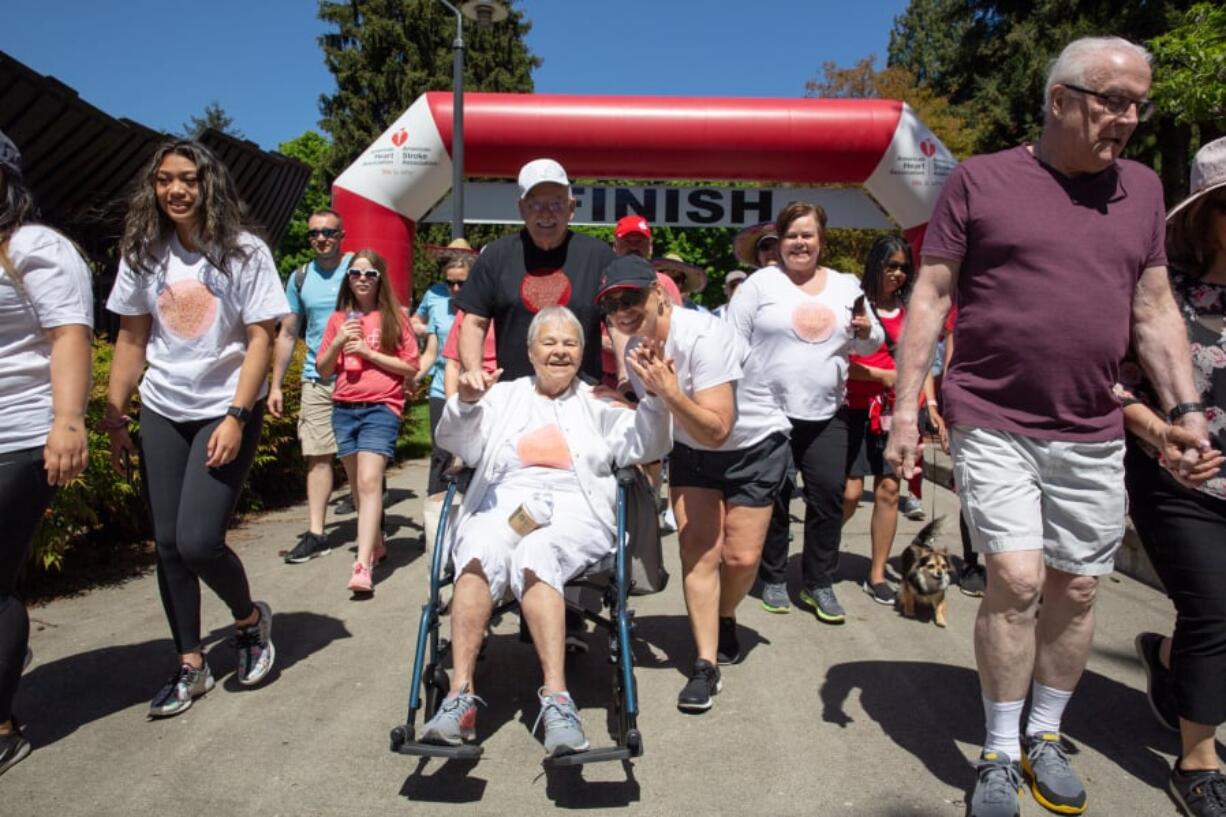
<point>313,150</point>
<point>386,53</point>
<point>215,117</point>
<point>1190,76</point>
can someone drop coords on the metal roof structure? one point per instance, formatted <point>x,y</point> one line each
<point>79,162</point>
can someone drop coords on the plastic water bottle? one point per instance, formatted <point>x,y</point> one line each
<point>353,363</point>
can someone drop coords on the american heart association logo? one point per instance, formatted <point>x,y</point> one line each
<point>928,148</point>
<point>400,137</point>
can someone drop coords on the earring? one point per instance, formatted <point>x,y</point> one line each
<point>659,308</point>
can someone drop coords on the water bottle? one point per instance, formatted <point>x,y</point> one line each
<point>353,363</point>
<point>532,513</point>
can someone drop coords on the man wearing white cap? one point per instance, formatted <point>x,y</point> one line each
<point>542,265</point>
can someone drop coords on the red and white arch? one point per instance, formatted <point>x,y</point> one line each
<point>879,144</point>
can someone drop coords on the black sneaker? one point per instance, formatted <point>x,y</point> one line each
<point>1198,793</point>
<point>881,592</point>
<point>344,507</point>
<point>973,581</point>
<point>1159,684</point>
<point>309,546</point>
<point>696,694</point>
<point>729,649</point>
<point>13,748</point>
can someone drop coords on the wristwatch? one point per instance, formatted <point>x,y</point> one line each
<point>1185,408</point>
<point>239,413</point>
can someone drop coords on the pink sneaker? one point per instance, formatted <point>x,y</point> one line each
<point>360,581</point>
<point>380,552</point>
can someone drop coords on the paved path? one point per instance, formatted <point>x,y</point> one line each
<point>877,717</point>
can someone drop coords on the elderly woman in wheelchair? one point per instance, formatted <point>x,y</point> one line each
<point>539,511</point>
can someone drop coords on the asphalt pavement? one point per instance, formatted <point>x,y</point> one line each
<point>880,716</point>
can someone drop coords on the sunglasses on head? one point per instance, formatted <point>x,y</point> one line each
<point>372,274</point>
<point>325,232</point>
<point>628,299</point>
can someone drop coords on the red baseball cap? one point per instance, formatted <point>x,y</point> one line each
<point>630,224</point>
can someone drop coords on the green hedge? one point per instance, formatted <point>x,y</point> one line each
<point>101,509</point>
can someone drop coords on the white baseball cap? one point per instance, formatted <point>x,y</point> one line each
<point>541,171</point>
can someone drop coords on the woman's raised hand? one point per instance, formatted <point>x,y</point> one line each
<point>657,372</point>
<point>474,384</point>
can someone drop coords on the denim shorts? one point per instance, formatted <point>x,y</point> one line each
<point>369,427</point>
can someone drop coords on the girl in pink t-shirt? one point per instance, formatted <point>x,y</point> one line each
<point>370,347</point>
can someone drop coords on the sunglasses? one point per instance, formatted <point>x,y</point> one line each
<point>454,284</point>
<point>896,266</point>
<point>627,300</point>
<point>326,232</point>
<point>369,274</point>
<point>1217,203</point>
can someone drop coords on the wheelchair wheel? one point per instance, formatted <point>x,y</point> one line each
<point>435,685</point>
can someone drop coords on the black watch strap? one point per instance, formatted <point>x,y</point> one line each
<point>239,413</point>
<point>1185,408</point>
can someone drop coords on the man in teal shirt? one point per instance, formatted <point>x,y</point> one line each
<point>312,291</point>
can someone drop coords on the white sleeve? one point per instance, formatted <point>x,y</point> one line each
<point>130,294</point>
<point>56,279</point>
<point>714,358</point>
<point>464,428</point>
<point>644,434</point>
<point>743,309</point>
<point>263,297</point>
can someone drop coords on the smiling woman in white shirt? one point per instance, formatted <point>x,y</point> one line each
<point>198,297</point>
<point>46,318</point>
<point>800,321</point>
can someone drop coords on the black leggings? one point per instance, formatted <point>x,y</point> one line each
<point>191,505</point>
<point>1184,533</point>
<point>24,495</point>
<point>819,452</point>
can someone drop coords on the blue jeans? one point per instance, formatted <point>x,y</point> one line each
<point>369,427</point>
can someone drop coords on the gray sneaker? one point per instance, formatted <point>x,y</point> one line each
<point>911,508</point>
<point>176,696</point>
<point>455,721</point>
<point>563,729</point>
<point>997,789</point>
<point>775,598</point>
<point>1052,779</point>
<point>824,603</point>
<point>255,650</point>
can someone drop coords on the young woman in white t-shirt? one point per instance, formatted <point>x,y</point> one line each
<point>728,460</point>
<point>46,321</point>
<point>369,344</point>
<point>800,323</point>
<point>198,298</point>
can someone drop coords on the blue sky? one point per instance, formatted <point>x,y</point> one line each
<point>159,62</point>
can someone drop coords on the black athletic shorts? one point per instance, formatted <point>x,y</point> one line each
<point>748,476</point>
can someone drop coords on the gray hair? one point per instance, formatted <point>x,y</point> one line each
<point>554,314</point>
<point>1075,60</point>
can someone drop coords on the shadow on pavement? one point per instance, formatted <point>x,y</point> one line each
<point>926,708</point>
<point>670,634</point>
<point>59,697</point>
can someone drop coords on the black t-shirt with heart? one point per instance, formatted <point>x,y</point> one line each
<point>513,279</point>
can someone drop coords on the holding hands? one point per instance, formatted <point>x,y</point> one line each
<point>1186,452</point>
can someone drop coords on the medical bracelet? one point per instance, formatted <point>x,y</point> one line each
<point>1185,408</point>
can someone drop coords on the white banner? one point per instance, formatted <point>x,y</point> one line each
<point>912,171</point>
<point>495,203</point>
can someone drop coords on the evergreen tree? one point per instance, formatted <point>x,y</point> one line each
<point>314,151</point>
<point>386,53</point>
<point>215,117</point>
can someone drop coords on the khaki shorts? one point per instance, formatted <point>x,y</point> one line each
<point>1023,493</point>
<point>315,419</point>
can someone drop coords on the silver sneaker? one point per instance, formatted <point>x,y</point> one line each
<point>255,650</point>
<point>824,603</point>
<point>456,720</point>
<point>563,729</point>
<point>775,598</point>
<point>997,787</point>
<point>911,508</point>
<point>187,684</point>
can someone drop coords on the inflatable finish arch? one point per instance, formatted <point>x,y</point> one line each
<point>879,144</point>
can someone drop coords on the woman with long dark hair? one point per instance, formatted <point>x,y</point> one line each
<point>870,401</point>
<point>46,321</point>
<point>198,297</point>
<point>1179,508</point>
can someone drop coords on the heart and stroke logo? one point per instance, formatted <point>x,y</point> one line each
<point>400,137</point>
<point>544,287</point>
<point>928,148</point>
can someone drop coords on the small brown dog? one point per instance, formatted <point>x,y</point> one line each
<point>925,574</point>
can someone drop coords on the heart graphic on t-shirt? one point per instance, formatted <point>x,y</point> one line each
<point>812,322</point>
<point>542,288</point>
<point>545,447</point>
<point>187,309</point>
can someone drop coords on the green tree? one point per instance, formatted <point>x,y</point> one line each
<point>215,117</point>
<point>1190,74</point>
<point>313,150</point>
<point>386,53</point>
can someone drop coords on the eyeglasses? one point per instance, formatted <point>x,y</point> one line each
<point>627,300</point>
<point>1115,104</point>
<point>554,206</point>
<point>454,284</point>
<point>369,274</point>
<point>898,266</point>
<point>326,232</point>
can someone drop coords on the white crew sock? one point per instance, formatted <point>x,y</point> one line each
<point>1046,709</point>
<point>1004,721</point>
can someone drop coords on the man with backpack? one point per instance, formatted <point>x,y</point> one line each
<point>312,291</point>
